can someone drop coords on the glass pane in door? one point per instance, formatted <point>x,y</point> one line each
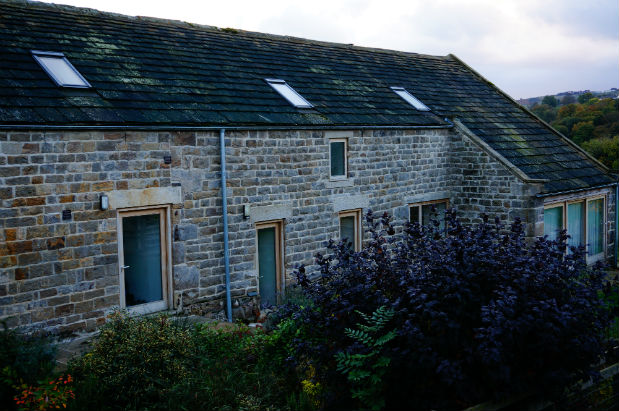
<point>553,222</point>
<point>576,224</point>
<point>267,266</point>
<point>595,226</point>
<point>347,229</point>
<point>142,255</point>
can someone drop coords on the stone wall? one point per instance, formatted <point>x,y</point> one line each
<point>481,184</point>
<point>63,275</point>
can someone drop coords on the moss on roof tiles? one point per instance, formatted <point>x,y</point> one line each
<point>154,71</point>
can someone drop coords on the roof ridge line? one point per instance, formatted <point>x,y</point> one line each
<point>580,150</point>
<point>190,25</point>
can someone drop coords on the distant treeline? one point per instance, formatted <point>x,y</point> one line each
<point>590,122</point>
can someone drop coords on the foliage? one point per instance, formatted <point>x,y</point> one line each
<point>605,150</point>
<point>134,363</point>
<point>24,359</point>
<point>53,393</point>
<point>366,368</point>
<point>159,363</point>
<point>550,101</point>
<point>592,123</point>
<point>480,312</point>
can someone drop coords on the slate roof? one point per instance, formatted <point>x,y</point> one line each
<point>156,72</point>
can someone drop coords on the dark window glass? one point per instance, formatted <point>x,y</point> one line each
<point>338,160</point>
<point>347,229</point>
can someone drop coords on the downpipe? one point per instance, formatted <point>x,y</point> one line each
<point>224,203</point>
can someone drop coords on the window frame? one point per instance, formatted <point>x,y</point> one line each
<point>280,284</point>
<point>345,175</point>
<point>421,204</point>
<point>36,54</point>
<point>165,242</point>
<point>275,82</point>
<point>586,200</point>
<point>409,98</point>
<point>356,213</point>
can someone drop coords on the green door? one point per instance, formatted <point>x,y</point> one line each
<point>142,259</point>
<point>267,265</point>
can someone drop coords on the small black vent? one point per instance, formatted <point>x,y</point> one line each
<point>66,214</point>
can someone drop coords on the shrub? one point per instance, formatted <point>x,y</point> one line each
<point>480,312</point>
<point>24,359</point>
<point>134,363</point>
<point>158,363</point>
<point>52,393</point>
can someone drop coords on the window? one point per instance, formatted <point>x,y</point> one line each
<point>350,228</point>
<point>60,70</point>
<point>422,212</point>
<point>270,252</point>
<point>338,153</point>
<point>288,93</point>
<point>143,258</point>
<point>410,99</point>
<point>584,220</point>
<point>553,222</point>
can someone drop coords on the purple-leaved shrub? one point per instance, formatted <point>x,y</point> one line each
<point>480,313</point>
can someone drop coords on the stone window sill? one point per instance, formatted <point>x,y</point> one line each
<point>339,183</point>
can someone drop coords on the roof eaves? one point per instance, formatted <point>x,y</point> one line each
<point>498,156</point>
<point>588,156</point>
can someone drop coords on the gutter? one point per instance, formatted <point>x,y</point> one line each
<point>213,128</point>
<point>224,203</point>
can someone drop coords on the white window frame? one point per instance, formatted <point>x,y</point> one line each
<point>356,213</point>
<point>421,204</point>
<point>564,203</point>
<point>345,175</point>
<point>281,87</point>
<point>166,260</point>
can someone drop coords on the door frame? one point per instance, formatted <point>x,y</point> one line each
<point>165,242</point>
<point>279,255</point>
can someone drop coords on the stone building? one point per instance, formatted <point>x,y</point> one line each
<point>111,132</point>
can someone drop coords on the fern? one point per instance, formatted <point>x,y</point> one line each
<point>365,371</point>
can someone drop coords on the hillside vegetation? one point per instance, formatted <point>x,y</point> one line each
<point>590,122</point>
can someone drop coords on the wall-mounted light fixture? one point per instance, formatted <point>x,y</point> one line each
<point>104,202</point>
<point>245,210</point>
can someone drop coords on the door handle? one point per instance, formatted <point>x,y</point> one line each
<point>124,266</point>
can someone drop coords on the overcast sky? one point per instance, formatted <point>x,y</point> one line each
<point>526,47</point>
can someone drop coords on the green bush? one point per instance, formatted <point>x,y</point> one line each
<point>157,363</point>
<point>24,359</point>
<point>135,363</point>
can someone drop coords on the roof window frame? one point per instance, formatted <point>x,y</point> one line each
<point>407,96</point>
<point>274,81</point>
<point>36,54</point>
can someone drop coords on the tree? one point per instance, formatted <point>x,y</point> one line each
<point>545,112</point>
<point>479,312</point>
<point>605,150</point>
<point>582,132</point>
<point>567,99</point>
<point>585,97</point>
<point>550,101</point>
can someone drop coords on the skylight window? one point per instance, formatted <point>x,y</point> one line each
<point>59,69</point>
<point>288,93</point>
<point>410,99</point>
